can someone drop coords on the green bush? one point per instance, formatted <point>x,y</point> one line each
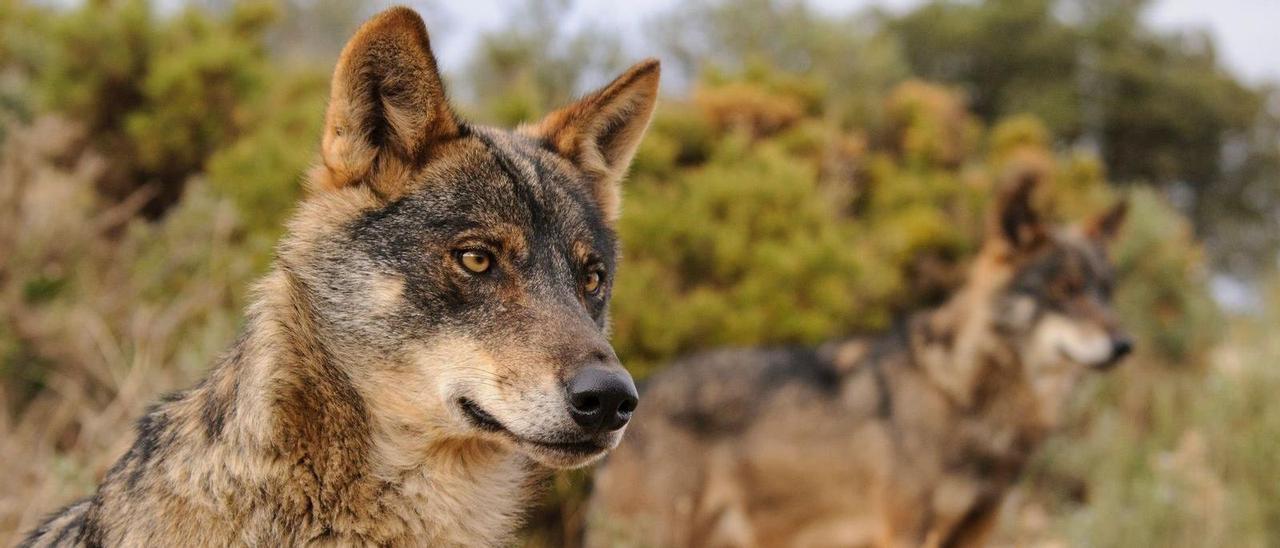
<point>735,232</point>
<point>746,249</point>
<point>159,96</point>
<point>264,169</point>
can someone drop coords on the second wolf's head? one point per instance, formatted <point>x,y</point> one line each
<point>462,273</point>
<point>1039,294</point>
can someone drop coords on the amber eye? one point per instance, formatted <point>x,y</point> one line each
<point>1069,288</point>
<point>1075,286</point>
<point>475,261</point>
<point>592,283</point>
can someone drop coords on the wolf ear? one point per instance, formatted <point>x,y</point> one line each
<point>1106,226</point>
<point>600,132</point>
<point>386,106</point>
<point>1015,220</point>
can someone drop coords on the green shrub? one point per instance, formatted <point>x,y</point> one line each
<point>744,250</point>
<point>264,169</point>
<point>734,235</point>
<point>159,96</point>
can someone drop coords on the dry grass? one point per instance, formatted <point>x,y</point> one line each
<point>98,315</point>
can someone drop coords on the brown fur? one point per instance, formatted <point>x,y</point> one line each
<point>346,413</point>
<point>910,438</point>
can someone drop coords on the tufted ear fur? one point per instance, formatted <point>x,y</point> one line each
<point>1104,228</point>
<point>387,106</point>
<point>600,132</point>
<point>1015,220</point>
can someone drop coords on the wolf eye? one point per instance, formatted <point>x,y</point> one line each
<point>592,282</point>
<point>475,261</point>
<point>1074,287</point>
<point>1067,288</point>
<point>1106,289</point>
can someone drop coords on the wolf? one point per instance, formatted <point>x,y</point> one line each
<point>429,343</point>
<point>906,438</point>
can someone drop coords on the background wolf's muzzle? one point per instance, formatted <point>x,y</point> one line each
<point>1121,346</point>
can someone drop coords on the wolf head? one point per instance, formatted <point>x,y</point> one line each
<point>1036,295</point>
<point>463,273</point>
<point>1047,290</point>
<point>1054,287</point>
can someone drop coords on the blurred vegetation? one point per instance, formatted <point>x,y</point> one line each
<point>536,63</point>
<point>819,176</point>
<point>1157,457</point>
<point>157,97</point>
<point>1158,107</point>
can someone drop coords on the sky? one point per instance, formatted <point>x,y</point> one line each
<point>1245,30</point>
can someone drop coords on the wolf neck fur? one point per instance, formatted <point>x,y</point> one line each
<point>962,351</point>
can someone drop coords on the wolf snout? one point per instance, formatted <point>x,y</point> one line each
<point>602,399</point>
<point>1121,346</point>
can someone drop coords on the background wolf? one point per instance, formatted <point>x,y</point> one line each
<point>907,439</point>
<point>430,338</point>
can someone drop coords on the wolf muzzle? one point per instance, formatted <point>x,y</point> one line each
<point>1121,346</point>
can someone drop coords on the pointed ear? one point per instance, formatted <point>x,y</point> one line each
<point>1106,226</point>
<point>387,106</point>
<point>1015,220</point>
<point>600,132</point>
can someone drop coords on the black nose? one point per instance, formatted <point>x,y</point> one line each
<point>1121,347</point>
<point>602,399</point>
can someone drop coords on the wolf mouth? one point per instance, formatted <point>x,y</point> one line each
<point>483,420</point>
<point>479,417</point>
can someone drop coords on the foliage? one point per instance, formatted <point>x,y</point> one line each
<point>725,246</point>
<point>1158,261</point>
<point>537,62</point>
<point>100,312</point>
<point>22,52</point>
<point>263,169</point>
<point>857,66</point>
<point>1159,107</point>
<point>760,241</point>
<point>1187,459</point>
<point>158,95</point>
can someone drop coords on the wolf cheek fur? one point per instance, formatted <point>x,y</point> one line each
<point>429,341</point>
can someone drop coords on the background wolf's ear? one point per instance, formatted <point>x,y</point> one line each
<point>386,107</point>
<point>1106,226</point>
<point>1015,219</point>
<point>600,132</point>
